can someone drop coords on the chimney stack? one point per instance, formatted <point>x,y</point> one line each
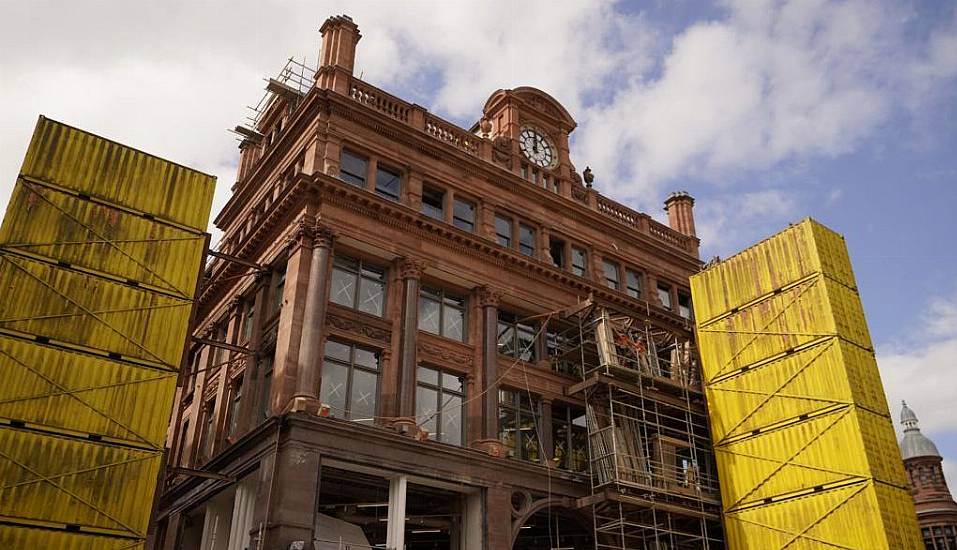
<point>340,35</point>
<point>680,208</point>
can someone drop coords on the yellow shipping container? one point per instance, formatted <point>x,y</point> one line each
<point>806,451</point>
<point>100,251</point>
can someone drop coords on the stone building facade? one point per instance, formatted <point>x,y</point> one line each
<point>374,355</point>
<point>936,509</point>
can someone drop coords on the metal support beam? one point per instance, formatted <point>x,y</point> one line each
<point>224,345</point>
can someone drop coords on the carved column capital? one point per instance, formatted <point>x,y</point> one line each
<point>262,278</point>
<point>303,232</point>
<point>236,304</point>
<point>488,296</point>
<point>410,268</point>
<point>323,235</point>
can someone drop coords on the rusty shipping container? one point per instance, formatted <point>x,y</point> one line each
<point>806,451</point>
<point>100,251</point>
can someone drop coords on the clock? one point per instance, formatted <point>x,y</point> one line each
<point>537,147</point>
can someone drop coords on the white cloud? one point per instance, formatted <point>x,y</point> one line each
<point>730,221</point>
<point>920,369</point>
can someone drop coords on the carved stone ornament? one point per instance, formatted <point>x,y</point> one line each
<point>304,229</point>
<point>445,355</point>
<point>410,268</point>
<point>502,151</point>
<point>488,296</point>
<point>351,325</point>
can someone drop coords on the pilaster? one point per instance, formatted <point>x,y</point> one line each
<point>410,271</point>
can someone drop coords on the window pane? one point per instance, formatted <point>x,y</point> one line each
<point>353,169</point>
<point>343,290</point>
<point>428,376</point>
<point>684,306</point>
<point>664,295</point>
<point>337,350</point>
<point>453,323</point>
<point>503,231</point>
<point>526,240</point>
<point>426,405</point>
<point>463,215</point>
<point>433,203</point>
<point>611,274</point>
<point>451,382</point>
<point>556,250</point>
<point>632,284</point>
<point>429,310</point>
<point>371,296</point>
<point>387,183</point>
<point>367,358</point>
<point>333,387</point>
<point>508,429</point>
<point>451,419</point>
<point>526,342</point>
<point>529,438</point>
<point>363,395</point>
<point>578,262</point>
<point>506,339</point>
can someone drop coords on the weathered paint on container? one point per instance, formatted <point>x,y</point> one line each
<point>806,451</point>
<point>99,256</point>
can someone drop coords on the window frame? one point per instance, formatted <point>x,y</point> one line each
<point>568,420</point>
<point>584,266</point>
<point>636,291</point>
<point>362,181</point>
<point>442,297</point>
<point>664,289</point>
<point>443,194</point>
<point>511,401</point>
<point>510,238</point>
<point>456,201</point>
<point>358,277</point>
<point>352,366</point>
<point>515,325</point>
<point>235,404</point>
<point>381,191</point>
<point>615,267</point>
<point>441,391</point>
<point>527,249</point>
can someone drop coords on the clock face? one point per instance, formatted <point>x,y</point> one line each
<point>536,147</point>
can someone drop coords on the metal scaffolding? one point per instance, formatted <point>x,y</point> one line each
<point>653,481</point>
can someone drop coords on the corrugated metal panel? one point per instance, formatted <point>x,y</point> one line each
<point>805,447</point>
<point>99,254</point>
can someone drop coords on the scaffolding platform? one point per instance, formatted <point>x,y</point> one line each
<point>653,481</point>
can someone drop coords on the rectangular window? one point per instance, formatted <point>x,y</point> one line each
<point>279,286</point>
<point>266,364</point>
<point>388,183</point>
<point>560,362</point>
<point>526,240</point>
<point>433,202</point>
<point>570,437</point>
<point>442,313</point>
<point>515,338</point>
<point>181,451</point>
<point>503,231</point>
<point>358,285</point>
<point>353,168</point>
<point>350,380</point>
<point>219,353</point>
<point>684,305</point>
<point>611,274</point>
<point>440,405</point>
<point>664,295</point>
<point>556,248</point>
<point>579,261</point>
<point>248,318</point>
<point>518,424</point>
<point>209,434</point>
<point>633,283</point>
<point>237,398</point>
<point>463,215</point>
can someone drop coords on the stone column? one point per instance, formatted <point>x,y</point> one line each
<point>287,494</point>
<point>309,365</point>
<point>410,271</point>
<point>488,299</point>
<point>252,377</point>
<point>289,339</point>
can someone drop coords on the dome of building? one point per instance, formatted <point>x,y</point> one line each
<point>914,444</point>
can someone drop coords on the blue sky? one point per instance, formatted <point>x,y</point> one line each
<point>766,111</point>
